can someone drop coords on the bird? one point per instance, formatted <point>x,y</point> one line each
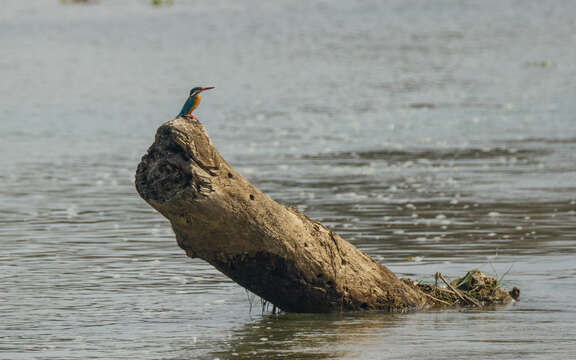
<point>192,102</point>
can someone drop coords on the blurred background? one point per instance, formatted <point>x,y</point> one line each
<point>435,135</point>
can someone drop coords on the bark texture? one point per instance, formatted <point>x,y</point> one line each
<point>274,251</point>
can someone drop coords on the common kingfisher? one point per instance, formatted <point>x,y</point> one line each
<point>192,102</point>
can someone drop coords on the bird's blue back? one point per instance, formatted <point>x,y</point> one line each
<point>188,106</point>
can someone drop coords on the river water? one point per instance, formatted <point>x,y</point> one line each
<point>434,135</point>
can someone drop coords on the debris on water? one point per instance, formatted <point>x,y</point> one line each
<point>473,289</point>
<point>416,258</point>
<point>72,211</point>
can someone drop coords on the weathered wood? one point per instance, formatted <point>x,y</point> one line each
<point>274,251</point>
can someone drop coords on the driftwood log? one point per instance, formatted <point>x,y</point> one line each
<point>274,251</point>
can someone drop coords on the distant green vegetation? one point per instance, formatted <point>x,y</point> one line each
<point>162,2</point>
<point>153,2</point>
<point>78,1</point>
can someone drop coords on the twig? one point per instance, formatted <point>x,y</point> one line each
<point>436,299</point>
<point>494,269</point>
<point>506,273</point>
<point>463,297</point>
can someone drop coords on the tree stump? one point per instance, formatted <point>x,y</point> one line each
<point>276,252</point>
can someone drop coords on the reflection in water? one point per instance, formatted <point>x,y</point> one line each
<point>307,336</point>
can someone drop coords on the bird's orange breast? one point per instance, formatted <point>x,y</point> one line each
<point>196,103</point>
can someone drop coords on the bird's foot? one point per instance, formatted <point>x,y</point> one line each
<point>190,116</point>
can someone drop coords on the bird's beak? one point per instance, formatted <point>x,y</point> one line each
<point>207,88</point>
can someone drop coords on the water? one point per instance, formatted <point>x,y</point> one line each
<point>435,136</point>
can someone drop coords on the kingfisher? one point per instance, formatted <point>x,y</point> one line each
<point>192,102</point>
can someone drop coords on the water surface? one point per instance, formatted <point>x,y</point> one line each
<point>435,136</point>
